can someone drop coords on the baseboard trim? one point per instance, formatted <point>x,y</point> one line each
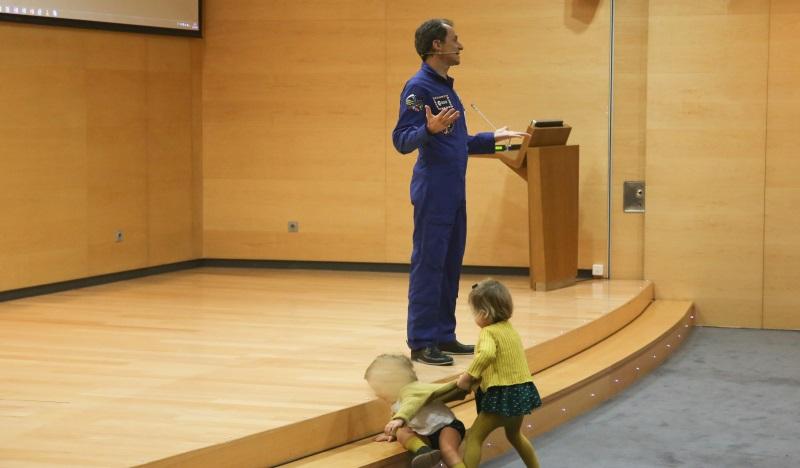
<point>352,266</point>
<point>79,283</point>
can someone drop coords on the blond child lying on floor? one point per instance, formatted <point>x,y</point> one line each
<point>422,422</point>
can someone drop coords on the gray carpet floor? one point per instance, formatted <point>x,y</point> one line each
<point>727,398</point>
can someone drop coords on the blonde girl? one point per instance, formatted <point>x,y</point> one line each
<point>421,421</point>
<point>506,392</point>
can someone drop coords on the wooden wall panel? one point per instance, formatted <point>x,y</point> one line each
<point>97,136</point>
<point>43,157</point>
<point>116,143</point>
<point>706,107</point>
<point>299,104</point>
<point>782,224</point>
<point>293,130</point>
<point>171,186</point>
<point>197,49</point>
<point>629,134</point>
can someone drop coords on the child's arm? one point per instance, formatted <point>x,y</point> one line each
<point>449,392</point>
<point>392,426</point>
<point>408,409</point>
<point>465,382</point>
<point>485,353</point>
<point>412,399</point>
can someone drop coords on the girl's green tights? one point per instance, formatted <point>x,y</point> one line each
<point>484,424</point>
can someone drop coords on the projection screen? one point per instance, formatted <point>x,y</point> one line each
<point>181,17</point>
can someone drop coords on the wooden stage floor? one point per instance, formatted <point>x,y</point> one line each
<point>132,372</point>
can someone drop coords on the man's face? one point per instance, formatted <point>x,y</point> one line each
<point>450,44</point>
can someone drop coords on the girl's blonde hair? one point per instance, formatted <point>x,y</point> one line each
<point>491,299</point>
<point>397,361</point>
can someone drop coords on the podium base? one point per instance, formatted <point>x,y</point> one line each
<point>551,285</point>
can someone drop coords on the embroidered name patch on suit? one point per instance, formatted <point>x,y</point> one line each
<point>442,102</point>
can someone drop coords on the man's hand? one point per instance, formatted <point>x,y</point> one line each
<point>393,426</point>
<point>503,133</point>
<point>439,122</point>
<point>384,438</point>
<point>465,381</point>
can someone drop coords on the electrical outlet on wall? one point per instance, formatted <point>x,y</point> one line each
<point>598,270</point>
<point>119,236</point>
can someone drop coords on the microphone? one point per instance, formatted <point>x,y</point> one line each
<point>484,117</point>
<point>444,53</point>
<point>497,147</point>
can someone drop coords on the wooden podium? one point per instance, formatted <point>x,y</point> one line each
<point>551,168</point>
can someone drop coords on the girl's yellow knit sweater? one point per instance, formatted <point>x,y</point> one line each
<point>499,357</point>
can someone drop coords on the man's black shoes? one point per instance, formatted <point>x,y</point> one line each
<point>431,356</point>
<point>456,348</point>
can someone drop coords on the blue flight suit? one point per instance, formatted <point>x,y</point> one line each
<point>438,193</point>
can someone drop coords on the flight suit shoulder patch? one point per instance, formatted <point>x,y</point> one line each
<point>414,102</point>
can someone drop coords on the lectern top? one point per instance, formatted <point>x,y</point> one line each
<point>548,136</point>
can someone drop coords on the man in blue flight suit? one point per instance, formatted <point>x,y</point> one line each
<point>431,121</point>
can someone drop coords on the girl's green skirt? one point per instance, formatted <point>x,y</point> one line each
<point>508,400</point>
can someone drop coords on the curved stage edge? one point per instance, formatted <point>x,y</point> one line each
<point>569,388</point>
<point>343,438</point>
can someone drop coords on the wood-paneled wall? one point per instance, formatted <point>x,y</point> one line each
<point>291,115</point>
<point>782,196</point>
<point>706,108</point>
<point>97,136</point>
<point>723,100</point>
<point>629,134</point>
<point>299,101</point>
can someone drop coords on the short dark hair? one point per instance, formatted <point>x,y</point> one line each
<point>429,31</point>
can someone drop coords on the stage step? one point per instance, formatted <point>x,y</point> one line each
<point>349,425</point>
<point>568,389</point>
